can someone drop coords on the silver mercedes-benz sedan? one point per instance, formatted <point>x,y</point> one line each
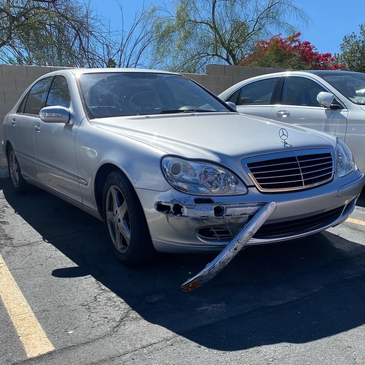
<point>170,167</point>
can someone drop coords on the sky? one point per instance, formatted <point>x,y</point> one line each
<point>330,20</point>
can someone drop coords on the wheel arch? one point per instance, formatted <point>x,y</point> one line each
<point>141,250</point>
<point>100,178</point>
<point>7,146</point>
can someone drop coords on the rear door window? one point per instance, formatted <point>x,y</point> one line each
<point>37,96</point>
<point>256,93</point>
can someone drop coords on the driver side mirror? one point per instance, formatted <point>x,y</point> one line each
<point>328,100</point>
<point>232,105</point>
<point>55,114</point>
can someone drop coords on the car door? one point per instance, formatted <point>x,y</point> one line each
<point>23,126</point>
<point>54,143</point>
<point>256,97</point>
<point>299,106</point>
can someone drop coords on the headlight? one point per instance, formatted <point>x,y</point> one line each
<point>201,178</point>
<point>344,160</point>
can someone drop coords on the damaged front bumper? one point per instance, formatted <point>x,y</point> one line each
<point>181,223</point>
<point>237,244</point>
<point>215,223</point>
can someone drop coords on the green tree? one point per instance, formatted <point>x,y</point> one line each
<point>49,32</point>
<point>353,51</point>
<point>199,32</point>
<point>291,53</point>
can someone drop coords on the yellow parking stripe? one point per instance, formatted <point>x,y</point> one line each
<point>355,221</point>
<point>30,332</point>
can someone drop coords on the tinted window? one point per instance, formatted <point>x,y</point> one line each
<point>351,85</point>
<point>22,104</point>
<point>37,96</point>
<point>233,98</point>
<point>122,94</point>
<point>300,91</point>
<point>257,93</point>
<point>59,93</point>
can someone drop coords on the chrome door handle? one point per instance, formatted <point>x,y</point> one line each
<point>38,127</point>
<point>283,114</point>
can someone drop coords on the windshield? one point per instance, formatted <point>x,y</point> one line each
<point>352,86</point>
<point>132,93</point>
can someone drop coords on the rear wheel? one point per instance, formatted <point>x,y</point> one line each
<point>125,222</point>
<point>19,184</point>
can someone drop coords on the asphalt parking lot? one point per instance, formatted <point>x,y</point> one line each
<point>65,300</point>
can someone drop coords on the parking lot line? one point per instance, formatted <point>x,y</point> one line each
<point>30,332</point>
<point>356,221</point>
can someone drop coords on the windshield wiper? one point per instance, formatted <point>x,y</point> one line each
<point>175,111</point>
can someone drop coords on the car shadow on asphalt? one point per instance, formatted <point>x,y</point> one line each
<point>294,292</point>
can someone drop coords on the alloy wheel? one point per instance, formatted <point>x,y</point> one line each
<point>117,217</point>
<point>14,169</point>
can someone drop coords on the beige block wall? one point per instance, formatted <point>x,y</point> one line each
<point>220,77</point>
<point>15,79</point>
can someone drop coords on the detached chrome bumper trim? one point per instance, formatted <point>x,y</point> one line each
<point>231,250</point>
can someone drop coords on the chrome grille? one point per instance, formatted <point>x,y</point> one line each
<point>294,172</point>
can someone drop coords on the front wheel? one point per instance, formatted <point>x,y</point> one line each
<point>19,184</point>
<point>125,222</point>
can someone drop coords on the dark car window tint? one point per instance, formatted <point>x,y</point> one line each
<point>186,93</point>
<point>59,93</point>
<point>233,98</point>
<point>22,104</point>
<point>351,85</point>
<point>122,94</point>
<point>37,96</point>
<point>300,91</point>
<point>257,93</point>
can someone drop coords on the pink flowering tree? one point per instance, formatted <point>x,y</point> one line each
<point>290,52</point>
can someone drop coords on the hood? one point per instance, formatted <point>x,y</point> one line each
<point>214,136</point>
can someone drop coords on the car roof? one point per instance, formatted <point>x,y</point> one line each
<point>320,73</point>
<point>330,72</point>
<point>116,70</point>
<point>81,71</point>
<point>316,73</point>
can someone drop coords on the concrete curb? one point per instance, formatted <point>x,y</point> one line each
<point>4,173</point>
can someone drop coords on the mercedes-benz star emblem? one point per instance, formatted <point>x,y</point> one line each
<point>283,134</point>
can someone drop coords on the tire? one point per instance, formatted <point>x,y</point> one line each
<point>20,186</point>
<point>125,222</point>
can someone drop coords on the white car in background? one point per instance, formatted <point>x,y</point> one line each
<point>329,101</point>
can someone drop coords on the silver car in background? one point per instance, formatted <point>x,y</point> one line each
<point>325,100</point>
<point>169,167</point>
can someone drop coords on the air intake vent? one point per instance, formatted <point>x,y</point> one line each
<point>215,233</point>
<point>293,172</point>
<point>298,226</point>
